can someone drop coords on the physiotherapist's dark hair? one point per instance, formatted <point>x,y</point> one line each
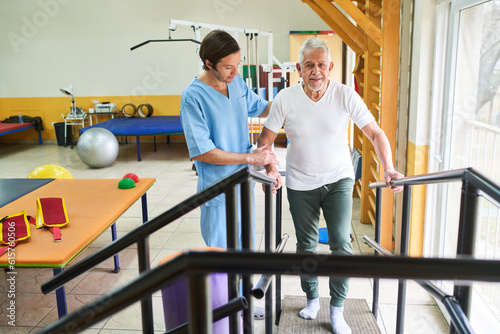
<point>216,45</point>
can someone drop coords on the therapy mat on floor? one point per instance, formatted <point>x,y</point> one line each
<point>356,313</point>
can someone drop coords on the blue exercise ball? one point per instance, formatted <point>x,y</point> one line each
<point>97,147</point>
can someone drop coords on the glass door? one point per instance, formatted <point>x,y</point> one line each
<point>469,136</point>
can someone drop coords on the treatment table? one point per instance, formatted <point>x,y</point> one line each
<point>6,128</point>
<point>92,206</point>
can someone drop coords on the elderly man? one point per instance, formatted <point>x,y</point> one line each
<point>319,174</point>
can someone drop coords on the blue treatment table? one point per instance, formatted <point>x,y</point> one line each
<point>138,126</point>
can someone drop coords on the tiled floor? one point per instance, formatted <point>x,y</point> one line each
<point>175,181</point>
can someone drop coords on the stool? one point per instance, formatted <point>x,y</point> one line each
<point>176,302</point>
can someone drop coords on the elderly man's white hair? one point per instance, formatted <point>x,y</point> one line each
<point>313,43</point>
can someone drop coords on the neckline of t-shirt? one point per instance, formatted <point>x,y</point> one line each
<point>315,103</point>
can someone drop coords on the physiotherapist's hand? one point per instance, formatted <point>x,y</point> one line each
<point>276,176</point>
<point>389,176</point>
<point>262,157</point>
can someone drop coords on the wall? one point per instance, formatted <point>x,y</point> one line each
<point>419,114</point>
<point>49,44</point>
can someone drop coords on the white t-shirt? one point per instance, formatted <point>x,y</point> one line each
<point>318,151</point>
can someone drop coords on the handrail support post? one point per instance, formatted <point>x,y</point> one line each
<point>466,241</point>
<point>378,218</point>
<point>403,251</point>
<point>246,245</point>
<point>200,305</point>
<point>232,244</point>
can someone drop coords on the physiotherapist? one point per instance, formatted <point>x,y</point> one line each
<point>214,113</point>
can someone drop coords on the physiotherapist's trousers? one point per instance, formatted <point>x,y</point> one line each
<point>335,200</point>
<point>214,227</point>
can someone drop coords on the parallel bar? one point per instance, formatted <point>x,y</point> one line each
<point>439,177</point>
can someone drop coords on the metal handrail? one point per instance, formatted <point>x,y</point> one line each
<point>483,183</point>
<point>474,184</point>
<point>457,315</point>
<point>195,264</point>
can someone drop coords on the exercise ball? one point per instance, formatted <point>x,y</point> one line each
<point>97,147</point>
<point>50,172</point>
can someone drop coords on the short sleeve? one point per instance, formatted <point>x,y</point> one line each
<point>359,113</point>
<point>276,118</point>
<point>195,128</point>
<point>255,104</point>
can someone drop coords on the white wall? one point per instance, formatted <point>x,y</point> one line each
<point>49,44</point>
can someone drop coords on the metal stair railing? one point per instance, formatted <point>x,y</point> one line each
<point>196,266</point>
<point>474,184</point>
<point>456,314</point>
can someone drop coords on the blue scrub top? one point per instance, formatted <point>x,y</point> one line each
<point>212,120</point>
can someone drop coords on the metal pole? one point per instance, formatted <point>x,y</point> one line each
<point>144,204</point>
<point>279,200</point>
<point>268,247</point>
<point>200,305</point>
<point>403,251</point>
<point>376,281</point>
<point>466,241</point>
<point>232,244</point>
<point>246,243</point>
<point>146,302</point>
<point>249,82</point>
